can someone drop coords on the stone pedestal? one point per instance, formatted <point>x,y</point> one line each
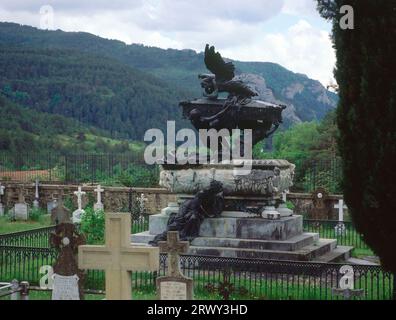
<point>256,222</point>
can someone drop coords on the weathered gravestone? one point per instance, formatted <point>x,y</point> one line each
<point>80,211</point>
<point>60,214</point>
<point>320,209</point>
<point>118,258</point>
<point>340,228</point>
<point>21,208</point>
<point>68,280</point>
<point>51,205</point>
<point>98,206</point>
<point>36,203</point>
<point>2,188</point>
<point>174,286</point>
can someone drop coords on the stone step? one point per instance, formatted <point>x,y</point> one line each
<point>292,244</point>
<point>307,253</point>
<point>339,254</point>
<point>142,238</point>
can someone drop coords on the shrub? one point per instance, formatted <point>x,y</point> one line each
<point>93,226</point>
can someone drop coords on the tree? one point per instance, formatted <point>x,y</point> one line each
<point>366,118</point>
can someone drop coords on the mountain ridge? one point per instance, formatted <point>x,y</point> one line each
<point>177,70</point>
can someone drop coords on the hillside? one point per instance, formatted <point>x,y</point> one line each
<point>94,90</point>
<point>307,99</point>
<point>23,130</point>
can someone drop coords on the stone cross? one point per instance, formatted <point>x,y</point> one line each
<point>341,207</point>
<point>80,211</point>
<point>98,205</point>
<point>79,195</point>
<point>340,228</point>
<point>118,258</point>
<point>1,204</point>
<point>173,247</point>
<point>36,195</point>
<point>60,214</point>
<point>66,240</point>
<point>21,209</point>
<point>174,286</point>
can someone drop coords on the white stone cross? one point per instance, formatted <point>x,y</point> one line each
<point>98,206</point>
<point>341,207</point>
<point>118,258</point>
<point>99,191</point>
<point>79,195</point>
<point>142,200</point>
<point>340,227</point>
<point>1,205</point>
<point>36,195</point>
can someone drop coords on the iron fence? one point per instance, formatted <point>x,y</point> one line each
<point>31,238</point>
<point>130,169</point>
<point>244,278</point>
<point>310,175</point>
<point>123,169</point>
<point>344,232</point>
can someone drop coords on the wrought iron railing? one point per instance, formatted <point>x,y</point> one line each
<point>344,232</point>
<point>30,238</point>
<point>250,279</point>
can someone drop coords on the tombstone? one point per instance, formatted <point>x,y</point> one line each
<point>340,228</point>
<point>60,214</point>
<point>98,206</point>
<point>51,205</point>
<point>2,188</point>
<point>21,208</point>
<point>319,210</point>
<point>36,203</point>
<point>283,209</point>
<point>67,278</point>
<point>80,211</point>
<point>117,257</point>
<point>174,286</point>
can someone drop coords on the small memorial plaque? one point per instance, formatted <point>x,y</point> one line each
<point>173,290</point>
<point>65,287</point>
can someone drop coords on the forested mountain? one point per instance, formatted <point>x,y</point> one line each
<point>23,130</point>
<point>173,74</point>
<point>94,90</point>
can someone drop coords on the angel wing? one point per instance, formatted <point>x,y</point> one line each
<point>224,71</point>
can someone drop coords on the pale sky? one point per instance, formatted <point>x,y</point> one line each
<point>288,32</point>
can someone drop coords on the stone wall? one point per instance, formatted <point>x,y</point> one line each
<point>303,205</point>
<point>118,198</point>
<point>114,198</point>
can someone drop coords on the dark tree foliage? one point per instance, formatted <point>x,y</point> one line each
<point>365,72</point>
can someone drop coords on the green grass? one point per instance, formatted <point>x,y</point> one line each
<point>8,226</point>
